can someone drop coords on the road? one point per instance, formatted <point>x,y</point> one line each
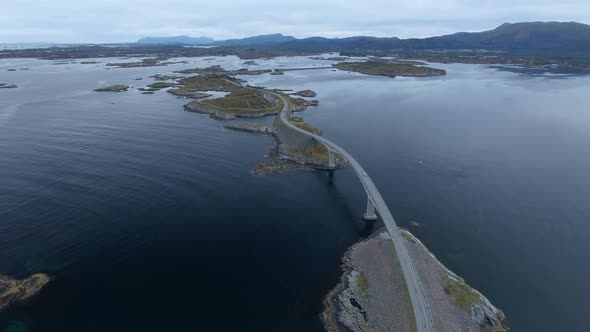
<point>422,313</point>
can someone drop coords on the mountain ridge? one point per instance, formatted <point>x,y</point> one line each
<point>556,37</point>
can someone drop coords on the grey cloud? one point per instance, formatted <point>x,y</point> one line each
<point>127,20</point>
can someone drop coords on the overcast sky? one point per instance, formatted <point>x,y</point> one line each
<point>88,21</point>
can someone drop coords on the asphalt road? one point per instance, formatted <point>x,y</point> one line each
<point>422,313</point>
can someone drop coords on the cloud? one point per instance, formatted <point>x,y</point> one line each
<point>123,21</point>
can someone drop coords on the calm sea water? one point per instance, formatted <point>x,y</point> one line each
<point>149,220</point>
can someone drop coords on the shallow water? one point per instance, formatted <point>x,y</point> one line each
<point>148,218</point>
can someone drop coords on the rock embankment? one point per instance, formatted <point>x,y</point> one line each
<point>13,290</point>
<point>254,128</point>
<point>372,295</point>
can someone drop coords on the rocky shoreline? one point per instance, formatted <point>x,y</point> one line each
<point>372,295</point>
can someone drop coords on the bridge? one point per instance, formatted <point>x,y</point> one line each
<point>422,313</point>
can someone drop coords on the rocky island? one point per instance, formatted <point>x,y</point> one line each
<point>389,68</point>
<point>14,290</point>
<point>305,93</point>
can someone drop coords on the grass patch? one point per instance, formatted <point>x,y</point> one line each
<point>408,236</point>
<point>363,284</point>
<point>243,100</point>
<point>305,126</point>
<point>209,83</point>
<point>462,294</point>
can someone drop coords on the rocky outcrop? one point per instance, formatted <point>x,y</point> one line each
<point>13,290</point>
<point>305,93</point>
<point>300,104</point>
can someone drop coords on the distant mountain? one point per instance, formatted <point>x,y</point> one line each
<point>276,38</point>
<point>531,36</point>
<point>554,37</point>
<point>177,40</point>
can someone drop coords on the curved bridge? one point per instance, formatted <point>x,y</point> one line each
<point>422,313</point>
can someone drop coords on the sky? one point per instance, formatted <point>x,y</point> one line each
<point>101,21</point>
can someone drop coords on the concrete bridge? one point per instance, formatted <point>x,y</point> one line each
<point>375,203</point>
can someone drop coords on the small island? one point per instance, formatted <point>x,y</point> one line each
<point>160,85</point>
<point>14,290</point>
<point>113,88</point>
<point>8,86</point>
<point>390,68</point>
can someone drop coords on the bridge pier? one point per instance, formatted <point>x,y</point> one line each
<point>331,159</point>
<point>370,213</point>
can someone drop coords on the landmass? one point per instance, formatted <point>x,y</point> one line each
<point>275,162</point>
<point>372,294</point>
<point>241,101</point>
<point>113,88</point>
<point>561,46</point>
<point>8,86</point>
<point>14,290</point>
<point>389,68</point>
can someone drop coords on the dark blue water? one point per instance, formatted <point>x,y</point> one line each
<point>149,220</point>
